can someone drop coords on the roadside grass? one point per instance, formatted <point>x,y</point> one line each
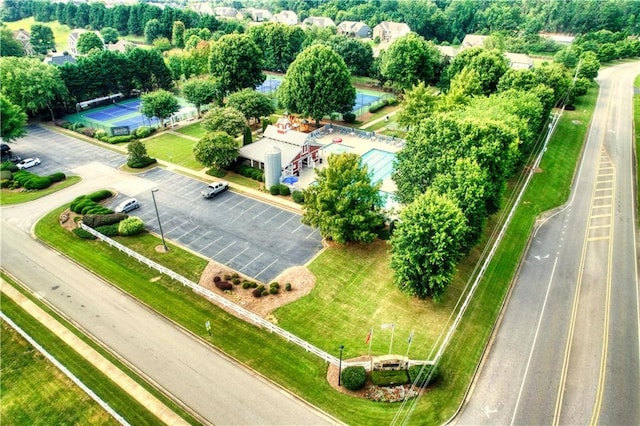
<point>110,388</point>
<point>8,197</point>
<point>174,149</point>
<point>30,383</point>
<point>194,130</point>
<point>636,123</point>
<point>242,181</point>
<point>60,32</point>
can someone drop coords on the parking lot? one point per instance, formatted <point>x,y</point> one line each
<point>252,237</point>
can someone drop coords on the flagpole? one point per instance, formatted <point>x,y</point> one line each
<point>409,346</point>
<point>393,328</point>
<point>370,340</point>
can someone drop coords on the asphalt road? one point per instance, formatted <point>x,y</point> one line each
<point>216,388</point>
<point>566,350</point>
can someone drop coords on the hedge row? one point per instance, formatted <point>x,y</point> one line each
<point>100,134</point>
<point>389,378</point>
<point>96,221</point>
<point>250,172</point>
<point>30,180</point>
<point>144,162</point>
<point>379,105</point>
<point>280,189</point>
<point>85,205</point>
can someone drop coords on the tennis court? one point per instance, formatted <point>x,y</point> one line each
<point>269,86</point>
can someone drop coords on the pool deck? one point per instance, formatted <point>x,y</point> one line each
<point>358,146</point>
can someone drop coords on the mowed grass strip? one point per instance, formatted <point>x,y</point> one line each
<point>8,197</point>
<point>36,392</point>
<point>194,130</point>
<point>174,149</point>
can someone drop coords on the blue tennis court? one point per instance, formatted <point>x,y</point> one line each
<point>270,85</point>
<point>363,100</point>
<point>379,163</point>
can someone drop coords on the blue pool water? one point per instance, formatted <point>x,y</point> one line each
<point>379,163</point>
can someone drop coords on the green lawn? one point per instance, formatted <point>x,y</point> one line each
<point>8,197</point>
<point>174,149</point>
<point>60,32</point>
<point>194,130</point>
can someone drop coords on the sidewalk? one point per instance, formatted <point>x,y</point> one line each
<point>137,392</point>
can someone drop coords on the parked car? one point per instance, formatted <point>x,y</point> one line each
<point>127,205</point>
<point>28,162</point>
<point>214,189</point>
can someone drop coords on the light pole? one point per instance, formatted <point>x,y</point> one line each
<point>153,195</point>
<point>340,365</point>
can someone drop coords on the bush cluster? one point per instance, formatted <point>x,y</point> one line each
<point>142,163</point>
<point>100,195</point>
<point>29,180</point>
<point>118,139</point>
<point>389,378</point>
<point>224,285</point>
<point>85,235</point>
<point>430,375</point>
<point>57,177</point>
<point>354,377</point>
<point>96,221</point>
<point>280,189</point>
<point>250,172</point>
<point>274,287</point>
<point>257,292</point>
<point>8,165</point>
<point>143,132</point>
<point>215,172</point>
<point>287,287</point>
<point>298,197</point>
<point>131,226</point>
<point>349,117</point>
<point>108,230</point>
<point>85,205</point>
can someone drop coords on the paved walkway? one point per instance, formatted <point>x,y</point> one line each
<point>137,392</point>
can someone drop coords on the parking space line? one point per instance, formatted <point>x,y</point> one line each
<point>254,259</point>
<point>203,235</point>
<point>239,253</point>
<point>299,226</point>
<point>267,267</point>
<point>310,235</point>
<point>230,244</point>
<point>212,242</point>
<point>286,221</point>
<point>267,208</point>
<point>273,217</point>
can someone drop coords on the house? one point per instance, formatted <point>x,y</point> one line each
<point>473,40</point>
<point>120,46</point>
<point>389,31</point>
<point>287,17</point>
<point>354,29</point>
<point>201,8</point>
<point>320,21</point>
<point>72,41</point>
<point>24,38</point>
<point>59,59</point>
<point>297,149</point>
<point>448,52</point>
<point>225,12</point>
<point>519,61</point>
<point>257,15</point>
<point>559,38</point>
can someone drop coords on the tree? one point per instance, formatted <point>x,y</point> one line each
<point>216,149</point>
<point>224,119</point>
<point>489,64</point>
<point>236,62</point>
<point>159,104</point>
<point>251,104</point>
<point>12,120</point>
<point>88,41</point>
<point>42,39</point>
<point>138,154</point>
<point>279,43</point>
<point>9,46</point>
<point>152,30</point>
<point>410,60</point>
<point>419,103</point>
<point>31,84</point>
<point>357,55</point>
<point>317,83</point>
<point>109,35</point>
<point>201,92</point>
<point>344,205</point>
<point>177,35</point>
<point>589,65</point>
<point>148,70</point>
<point>426,245</point>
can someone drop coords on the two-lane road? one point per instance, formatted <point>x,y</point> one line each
<point>567,347</point>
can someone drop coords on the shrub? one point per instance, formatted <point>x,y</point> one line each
<point>60,123</point>
<point>6,174</point>
<point>265,292</point>
<point>216,172</point>
<point>227,277</point>
<point>8,165</point>
<point>100,195</point>
<point>235,275</point>
<point>287,287</point>
<point>236,281</point>
<point>142,163</point>
<point>217,279</point>
<point>77,126</point>
<point>260,288</point>
<point>284,190</point>
<point>273,290</point>
<point>349,117</point>
<point>256,292</point>
<point>246,285</point>
<point>89,131</point>
<point>67,125</point>
<point>100,134</point>
<point>131,226</point>
<point>5,183</point>
<point>389,378</point>
<point>430,375</point>
<point>224,285</point>
<point>108,230</point>
<point>143,132</point>
<point>85,235</point>
<point>353,378</point>
<point>38,182</point>
<point>274,190</point>
<point>377,106</point>
<point>274,285</point>
<point>96,220</point>
<point>119,139</point>
<point>298,197</point>
<point>57,177</point>
<point>254,284</point>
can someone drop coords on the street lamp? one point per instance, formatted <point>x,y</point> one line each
<point>153,191</point>
<point>340,365</point>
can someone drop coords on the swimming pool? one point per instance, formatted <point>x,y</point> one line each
<point>379,163</point>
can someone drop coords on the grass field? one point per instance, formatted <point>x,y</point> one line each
<point>8,197</point>
<point>174,149</point>
<point>60,32</point>
<point>194,130</point>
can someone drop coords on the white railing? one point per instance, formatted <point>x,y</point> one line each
<point>219,300</point>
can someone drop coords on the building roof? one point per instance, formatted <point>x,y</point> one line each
<point>473,40</point>
<point>448,51</point>
<point>320,21</point>
<point>120,46</point>
<point>396,28</point>
<point>288,17</point>
<point>352,27</point>
<point>21,34</point>
<point>226,12</point>
<point>60,59</point>
<point>289,143</point>
<point>519,60</point>
<point>258,15</point>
